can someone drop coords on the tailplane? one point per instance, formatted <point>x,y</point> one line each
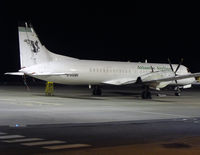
<point>32,52</point>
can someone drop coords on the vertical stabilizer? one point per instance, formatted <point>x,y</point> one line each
<point>31,50</point>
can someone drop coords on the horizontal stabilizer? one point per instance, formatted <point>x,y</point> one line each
<point>50,74</point>
<point>36,74</point>
<point>15,73</point>
<point>40,74</point>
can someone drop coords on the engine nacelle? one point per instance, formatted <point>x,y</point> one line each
<point>153,76</point>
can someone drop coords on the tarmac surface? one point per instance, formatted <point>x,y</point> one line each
<point>75,122</point>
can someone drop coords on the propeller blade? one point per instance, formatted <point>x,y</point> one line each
<point>170,64</point>
<point>179,65</point>
<point>176,72</point>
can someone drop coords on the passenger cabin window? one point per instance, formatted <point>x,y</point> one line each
<point>111,70</point>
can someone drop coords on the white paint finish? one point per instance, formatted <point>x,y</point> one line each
<point>99,75</point>
<point>39,62</point>
<point>67,146</point>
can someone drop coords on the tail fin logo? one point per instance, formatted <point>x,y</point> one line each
<point>34,45</point>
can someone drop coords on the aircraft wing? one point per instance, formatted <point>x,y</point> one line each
<point>121,81</point>
<point>15,73</point>
<point>126,81</point>
<point>172,78</point>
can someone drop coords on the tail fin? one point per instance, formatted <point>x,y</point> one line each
<point>32,52</point>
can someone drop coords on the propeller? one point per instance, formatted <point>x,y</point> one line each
<point>179,65</point>
<point>170,64</point>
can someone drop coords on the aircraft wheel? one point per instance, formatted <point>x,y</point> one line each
<point>177,93</point>
<point>146,95</point>
<point>149,95</point>
<point>97,91</point>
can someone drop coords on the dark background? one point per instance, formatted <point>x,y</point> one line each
<point>105,30</point>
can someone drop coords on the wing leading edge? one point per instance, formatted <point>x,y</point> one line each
<point>176,77</point>
<point>149,80</point>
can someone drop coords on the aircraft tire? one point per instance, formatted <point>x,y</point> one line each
<point>177,94</point>
<point>97,91</point>
<point>146,95</point>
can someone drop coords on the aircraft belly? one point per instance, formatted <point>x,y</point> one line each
<point>74,80</point>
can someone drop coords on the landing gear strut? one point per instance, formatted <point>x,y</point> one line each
<point>146,94</point>
<point>177,91</point>
<point>96,91</point>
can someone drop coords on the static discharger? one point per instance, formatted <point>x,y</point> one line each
<point>49,90</point>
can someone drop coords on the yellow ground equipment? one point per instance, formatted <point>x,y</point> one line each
<point>49,89</point>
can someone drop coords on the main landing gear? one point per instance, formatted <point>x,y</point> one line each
<point>146,94</point>
<point>177,91</point>
<point>96,91</point>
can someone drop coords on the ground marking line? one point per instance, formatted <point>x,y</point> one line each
<point>28,102</point>
<point>157,113</point>
<point>40,103</point>
<point>2,133</point>
<point>23,140</point>
<point>7,100</point>
<point>67,146</point>
<point>43,143</point>
<point>11,136</point>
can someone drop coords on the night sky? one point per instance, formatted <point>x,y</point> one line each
<point>105,30</point>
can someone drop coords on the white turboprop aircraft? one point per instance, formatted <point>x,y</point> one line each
<point>38,62</point>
